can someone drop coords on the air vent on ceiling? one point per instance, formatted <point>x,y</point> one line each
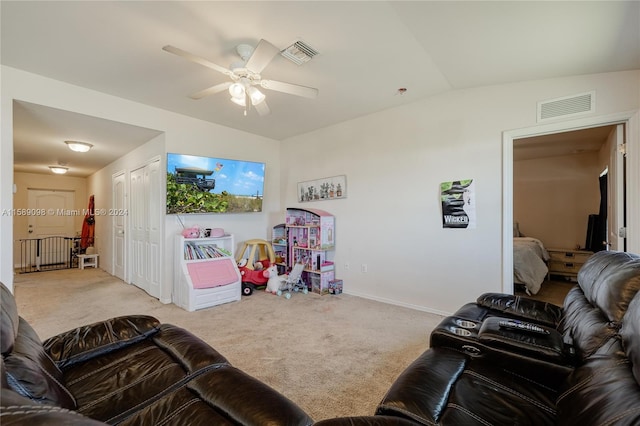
<point>299,52</point>
<point>567,106</point>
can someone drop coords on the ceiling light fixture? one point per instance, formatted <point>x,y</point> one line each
<point>236,90</point>
<point>255,95</point>
<point>239,101</point>
<point>78,146</point>
<point>59,170</point>
<point>242,90</point>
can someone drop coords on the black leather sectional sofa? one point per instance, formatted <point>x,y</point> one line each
<point>585,371</point>
<point>581,367</point>
<point>129,371</point>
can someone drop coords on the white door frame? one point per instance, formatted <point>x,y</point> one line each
<point>631,119</point>
<point>616,191</point>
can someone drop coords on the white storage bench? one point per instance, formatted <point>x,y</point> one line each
<point>206,273</point>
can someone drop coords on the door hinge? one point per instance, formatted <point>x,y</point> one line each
<point>622,232</point>
<point>622,149</point>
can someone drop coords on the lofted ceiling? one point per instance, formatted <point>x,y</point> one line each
<point>368,50</point>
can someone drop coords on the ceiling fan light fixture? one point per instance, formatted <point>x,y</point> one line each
<point>256,95</point>
<point>78,146</point>
<point>59,170</point>
<point>236,90</point>
<point>239,101</point>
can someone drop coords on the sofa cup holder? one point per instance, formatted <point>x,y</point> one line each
<point>465,324</point>
<point>460,331</point>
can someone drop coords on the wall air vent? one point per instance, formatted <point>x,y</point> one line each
<point>567,106</point>
<point>299,52</point>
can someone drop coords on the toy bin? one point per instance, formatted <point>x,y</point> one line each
<point>335,286</point>
<point>320,282</point>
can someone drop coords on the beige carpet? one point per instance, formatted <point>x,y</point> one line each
<point>332,355</point>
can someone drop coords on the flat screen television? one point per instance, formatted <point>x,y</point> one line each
<point>197,184</point>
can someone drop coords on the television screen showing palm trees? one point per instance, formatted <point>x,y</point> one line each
<point>197,184</point>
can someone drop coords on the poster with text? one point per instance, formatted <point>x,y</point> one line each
<point>458,204</point>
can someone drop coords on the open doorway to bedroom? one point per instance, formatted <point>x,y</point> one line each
<point>556,201</point>
<point>552,192</point>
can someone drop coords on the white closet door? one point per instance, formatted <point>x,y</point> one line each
<point>154,218</point>
<point>119,226</point>
<point>145,217</point>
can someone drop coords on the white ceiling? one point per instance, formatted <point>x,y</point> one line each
<point>368,50</point>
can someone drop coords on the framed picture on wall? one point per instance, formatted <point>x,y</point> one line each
<point>323,189</point>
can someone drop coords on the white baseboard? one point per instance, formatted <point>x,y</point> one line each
<point>404,305</point>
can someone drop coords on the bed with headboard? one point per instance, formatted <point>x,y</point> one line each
<point>530,259</point>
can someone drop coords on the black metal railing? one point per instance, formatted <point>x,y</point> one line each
<point>48,253</point>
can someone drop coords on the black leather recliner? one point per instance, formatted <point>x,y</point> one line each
<point>584,372</point>
<point>127,370</point>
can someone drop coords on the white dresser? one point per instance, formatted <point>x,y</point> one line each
<point>567,262</point>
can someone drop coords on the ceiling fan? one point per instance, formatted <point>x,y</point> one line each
<point>245,77</point>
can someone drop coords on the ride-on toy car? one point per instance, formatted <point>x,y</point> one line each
<point>256,256</point>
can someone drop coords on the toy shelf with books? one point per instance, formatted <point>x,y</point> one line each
<point>310,237</point>
<point>206,273</point>
<point>280,246</point>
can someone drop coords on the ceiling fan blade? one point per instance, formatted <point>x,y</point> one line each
<point>211,90</point>
<point>197,59</point>
<point>262,108</point>
<point>261,57</point>
<point>292,89</point>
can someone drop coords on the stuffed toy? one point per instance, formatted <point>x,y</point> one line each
<point>275,280</point>
<point>193,232</point>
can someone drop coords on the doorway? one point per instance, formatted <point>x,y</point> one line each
<point>51,218</point>
<point>508,156</point>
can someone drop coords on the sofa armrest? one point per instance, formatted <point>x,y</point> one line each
<point>422,390</point>
<point>96,339</point>
<point>548,347</point>
<point>522,307</point>
<point>18,410</point>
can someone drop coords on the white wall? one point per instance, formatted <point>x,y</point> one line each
<point>395,160</point>
<point>181,135</point>
<point>553,198</point>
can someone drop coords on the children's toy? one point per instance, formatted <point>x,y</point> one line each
<point>255,255</point>
<point>193,232</point>
<point>251,279</point>
<point>275,281</point>
<point>255,251</point>
<point>293,282</point>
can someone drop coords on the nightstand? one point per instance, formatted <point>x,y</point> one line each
<point>567,262</point>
